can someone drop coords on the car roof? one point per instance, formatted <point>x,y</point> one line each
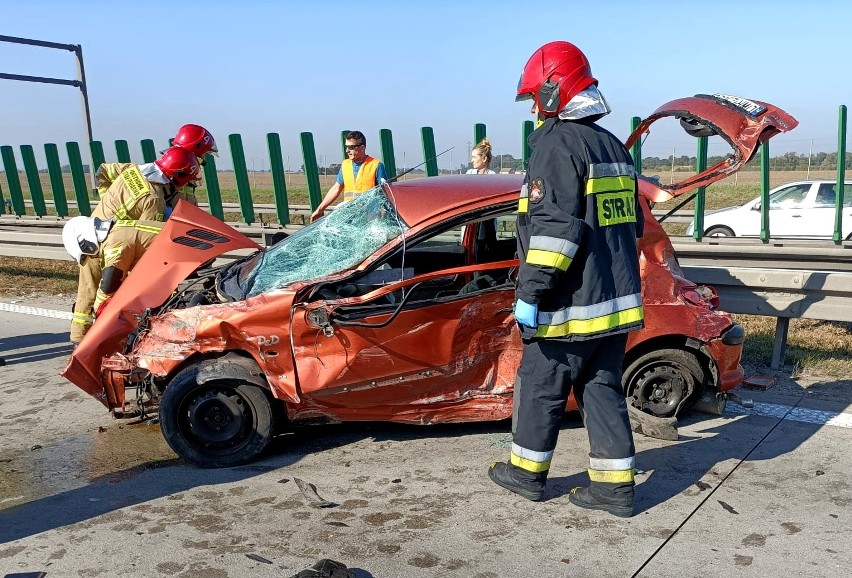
<point>420,200</point>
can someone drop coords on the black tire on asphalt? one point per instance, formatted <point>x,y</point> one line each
<point>217,424</point>
<point>664,382</point>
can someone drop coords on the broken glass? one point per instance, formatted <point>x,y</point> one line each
<point>342,239</point>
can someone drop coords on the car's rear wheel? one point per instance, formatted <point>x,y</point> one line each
<point>662,382</point>
<point>216,424</point>
<point>719,231</point>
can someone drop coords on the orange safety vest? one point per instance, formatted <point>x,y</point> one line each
<point>366,180</point>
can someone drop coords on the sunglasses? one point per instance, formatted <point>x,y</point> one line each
<point>353,147</point>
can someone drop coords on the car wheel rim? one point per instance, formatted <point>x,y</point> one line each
<point>660,390</point>
<point>216,419</point>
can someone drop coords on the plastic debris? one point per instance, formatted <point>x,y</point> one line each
<point>310,492</point>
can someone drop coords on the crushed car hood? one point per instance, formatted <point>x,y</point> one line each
<point>189,238</point>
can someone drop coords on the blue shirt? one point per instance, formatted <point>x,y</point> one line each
<point>380,172</point>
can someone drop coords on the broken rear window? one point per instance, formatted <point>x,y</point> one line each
<point>342,239</point>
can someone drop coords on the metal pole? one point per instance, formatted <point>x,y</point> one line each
<point>84,102</point>
<point>674,152</point>
<point>810,154</point>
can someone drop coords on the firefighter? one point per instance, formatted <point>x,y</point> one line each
<point>358,174</point>
<point>578,289</point>
<point>135,192</point>
<point>115,245</point>
<point>197,140</point>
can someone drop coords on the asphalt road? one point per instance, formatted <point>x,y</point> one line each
<point>744,494</point>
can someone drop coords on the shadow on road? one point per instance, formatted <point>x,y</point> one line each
<point>41,341</point>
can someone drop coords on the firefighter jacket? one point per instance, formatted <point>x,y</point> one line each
<point>365,180</point>
<point>578,221</point>
<point>125,244</point>
<point>135,192</point>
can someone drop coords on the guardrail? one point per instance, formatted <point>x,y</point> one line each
<point>784,279</point>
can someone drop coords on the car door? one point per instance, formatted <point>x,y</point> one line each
<point>789,208</point>
<point>442,332</point>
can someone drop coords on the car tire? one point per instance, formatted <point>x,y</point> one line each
<point>663,382</point>
<point>719,231</point>
<point>216,424</point>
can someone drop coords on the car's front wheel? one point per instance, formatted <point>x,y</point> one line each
<point>661,382</point>
<point>215,424</point>
<point>719,231</point>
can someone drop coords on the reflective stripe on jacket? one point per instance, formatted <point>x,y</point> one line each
<point>365,180</point>
<point>578,221</point>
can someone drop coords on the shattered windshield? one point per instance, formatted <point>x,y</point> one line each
<point>338,241</point>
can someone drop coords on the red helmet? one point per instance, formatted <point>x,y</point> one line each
<point>179,165</point>
<point>553,75</point>
<point>196,139</point>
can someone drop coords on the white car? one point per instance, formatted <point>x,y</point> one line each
<point>802,209</point>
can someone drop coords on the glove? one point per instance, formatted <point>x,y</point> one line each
<point>526,314</point>
<point>102,306</point>
<point>168,212</point>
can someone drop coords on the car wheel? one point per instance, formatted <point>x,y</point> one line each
<point>216,424</point>
<point>719,231</point>
<point>662,381</point>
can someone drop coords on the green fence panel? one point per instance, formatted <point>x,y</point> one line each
<point>149,152</point>
<point>309,157</point>
<point>33,180</point>
<point>478,133</point>
<point>700,166</point>
<point>388,158</point>
<point>764,192</point>
<point>840,186</point>
<point>14,181</point>
<point>279,183</point>
<point>78,177</point>
<point>98,157</point>
<point>211,181</point>
<point>241,174</point>
<point>122,151</point>
<point>57,186</point>
<point>2,202</point>
<point>427,137</point>
<point>526,130</point>
<point>636,149</point>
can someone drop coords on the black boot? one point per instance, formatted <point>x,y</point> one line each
<point>515,479</point>
<point>617,501</point>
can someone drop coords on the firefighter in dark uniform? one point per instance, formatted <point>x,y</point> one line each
<point>578,289</point>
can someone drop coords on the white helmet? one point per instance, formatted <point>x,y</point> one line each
<point>83,236</point>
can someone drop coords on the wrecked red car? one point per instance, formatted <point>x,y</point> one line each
<point>397,306</point>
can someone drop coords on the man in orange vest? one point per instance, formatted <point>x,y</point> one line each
<point>359,173</point>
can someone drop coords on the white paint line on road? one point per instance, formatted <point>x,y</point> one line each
<point>800,414</point>
<point>38,311</point>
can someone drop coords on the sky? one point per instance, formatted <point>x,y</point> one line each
<point>256,66</point>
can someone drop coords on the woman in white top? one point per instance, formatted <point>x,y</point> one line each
<point>480,158</point>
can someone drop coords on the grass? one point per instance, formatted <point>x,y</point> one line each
<point>813,347</point>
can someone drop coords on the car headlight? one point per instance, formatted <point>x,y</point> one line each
<point>734,336</point>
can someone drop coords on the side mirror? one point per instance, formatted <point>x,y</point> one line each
<point>755,207</point>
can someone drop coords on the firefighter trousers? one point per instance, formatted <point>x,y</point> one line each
<point>549,371</point>
<point>87,287</point>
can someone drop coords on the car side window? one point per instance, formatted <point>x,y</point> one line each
<point>847,195</point>
<point>826,197</point>
<point>790,197</point>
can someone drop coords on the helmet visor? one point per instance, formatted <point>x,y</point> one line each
<point>522,95</point>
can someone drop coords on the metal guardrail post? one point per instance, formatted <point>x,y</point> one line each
<point>427,137</point>
<point>343,134</point>
<point>526,130</point>
<point>57,186</point>
<point>241,173</point>
<point>149,152</point>
<point>279,185</point>
<point>764,192</point>
<point>78,177</point>
<point>16,194</point>
<point>309,156</point>
<point>122,151</point>
<point>700,166</point>
<point>388,158</point>
<point>211,182</point>
<point>841,175</point>
<point>33,180</point>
